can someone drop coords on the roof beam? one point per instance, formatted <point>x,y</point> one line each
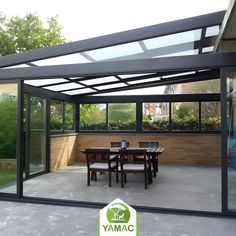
<point>226,20</point>
<point>151,65</point>
<point>114,39</point>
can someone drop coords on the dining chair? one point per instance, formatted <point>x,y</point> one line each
<point>98,160</point>
<point>146,144</point>
<point>149,144</point>
<point>133,166</point>
<point>117,144</point>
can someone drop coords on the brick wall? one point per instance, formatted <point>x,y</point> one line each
<point>184,149</point>
<point>63,151</point>
<point>179,149</point>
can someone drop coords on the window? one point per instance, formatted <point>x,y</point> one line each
<point>69,116</point>
<point>185,116</point>
<point>122,116</point>
<point>210,116</point>
<point>93,117</point>
<point>56,115</point>
<point>8,137</point>
<point>156,116</point>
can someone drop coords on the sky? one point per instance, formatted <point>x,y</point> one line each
<point>81,19</point>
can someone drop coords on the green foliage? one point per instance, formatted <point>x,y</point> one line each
<point>186,109</point>
<point>161,124</point>
<point>185,123</point>
<point>211,123</point>
<point>18,34</point>
<point>8,126</point>
<point>92,117</point>
<point>122,116</point>
<point>69,116</point>
<point>56,117</point>
<point>7,176</point>
<point>208,86</point>
<point>118,112</point>
<point>37,113</point>
<point>122,125</point>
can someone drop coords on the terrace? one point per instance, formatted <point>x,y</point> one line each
<point>163,83</point>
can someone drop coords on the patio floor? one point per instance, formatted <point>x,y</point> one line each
<point>20,219</point>
<point>195,188</point>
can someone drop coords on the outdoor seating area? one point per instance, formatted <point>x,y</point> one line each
<point>135,115</point>
<point>123,160</point>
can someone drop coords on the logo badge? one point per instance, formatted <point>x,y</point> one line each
<point>118,218</point>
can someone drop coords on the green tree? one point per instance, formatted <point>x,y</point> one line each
<point>92,117</point>
<point>18,34</point>
<point>122,116</point>
<point>8,126</point>
<point>208,86</point>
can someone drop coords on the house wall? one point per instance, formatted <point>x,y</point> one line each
<point>180,149</point>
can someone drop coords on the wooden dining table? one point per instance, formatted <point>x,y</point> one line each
<point>152,152</point>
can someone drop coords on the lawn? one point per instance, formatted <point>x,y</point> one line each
<point>7,176</point>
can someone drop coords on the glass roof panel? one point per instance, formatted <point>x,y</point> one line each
<point>173,39</point>
<point>212,31</point>
<point>79,91</point>
<point>109,86</point>
<point>179,74</point>
<point>143,91</point>
<point>133,75</point>
<point>143,80</point>
<point>184,53</point>
<point>76,77</point>
<point>100,80</point>
<point>208,49</point>
<point>68,59</point>
<point>44,82</point>
<point>64,86</point>
<point>115,51</point>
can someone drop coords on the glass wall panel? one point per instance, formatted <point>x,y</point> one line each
<point>69,123</point>
<point>37,136</point>
<point>210,116</point>
<point>185,116</point>
<point>156,116</point>
<point>56,115</point>
<point>8,137</point>
<point>208,86</point>
<point>93,117</point>
<point>121,116</point>
<point>231,152</point>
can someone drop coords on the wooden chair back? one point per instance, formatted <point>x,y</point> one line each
<point>148,144</point>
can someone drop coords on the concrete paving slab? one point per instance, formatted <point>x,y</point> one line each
<point>20,219</point>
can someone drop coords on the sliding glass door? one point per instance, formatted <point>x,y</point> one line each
<point>8,137</point>
<point>231,140</point>
<point>35,136</point>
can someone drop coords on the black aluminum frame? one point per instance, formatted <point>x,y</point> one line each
<point>115,39</point>
<point>139,100</point>
<point>27,133</point>
<point>19,140</point>
<point>119,99</point>
<point>224,73</point>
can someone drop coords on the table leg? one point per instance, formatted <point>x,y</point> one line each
<point>155,165</point>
